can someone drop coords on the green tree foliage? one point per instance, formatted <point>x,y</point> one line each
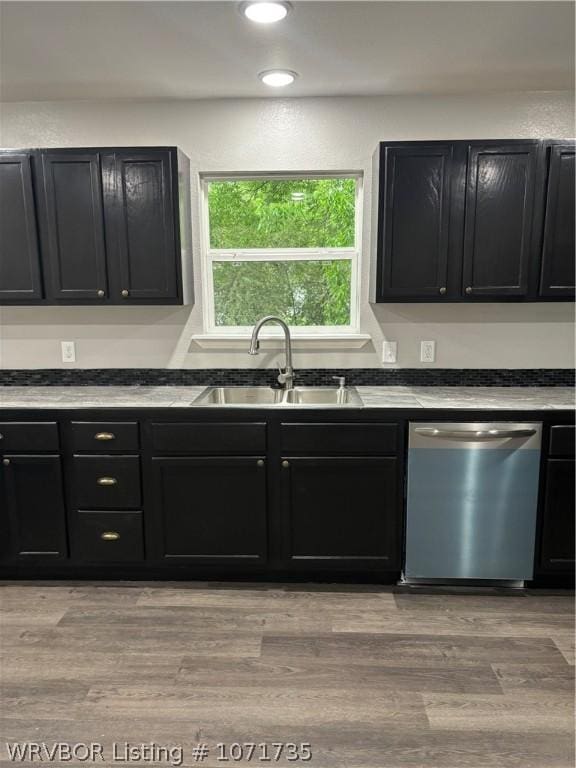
<point>305,213</point>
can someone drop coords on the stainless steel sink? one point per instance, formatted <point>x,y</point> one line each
<point>323,396</point>
<point>239,396</point>
<point>317,397</point>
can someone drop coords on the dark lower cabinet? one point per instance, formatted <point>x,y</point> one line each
<point>19,247</point>
<point>210,510</point>
<point>499,209</point>
<point>35,515</point>
<point>108,537</point>
<point>557,536</point>
<point>73,217</point>
<point>558,247</point>
<point>341,512</point>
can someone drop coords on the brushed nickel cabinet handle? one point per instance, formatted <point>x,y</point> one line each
<point>107,481</point>
<point>468,290</point>
<point>260,463</point>
<point>6,462</point>
<point>285,464</point>
<point>110,536</point>
<point>442,291</point>
<point>100,294</point>
<point>125,293</point>
<point>104,436</point>
<point>1,436</point>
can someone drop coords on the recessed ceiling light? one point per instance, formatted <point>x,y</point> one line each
<point>265,12</point>
<point>277,78</point>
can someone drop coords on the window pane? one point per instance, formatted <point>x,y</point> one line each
<point>295,213</point>
<point>300,292</point>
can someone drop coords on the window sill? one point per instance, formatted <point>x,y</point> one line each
<point>304,341</point>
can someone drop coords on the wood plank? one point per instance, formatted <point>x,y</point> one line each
<point>519,713</point>
<point>306,674</point>
<point>414,649</point>
<point>472,623</point>
<point>267,706</point>
<point>517,678</point>
<point>199,617</point>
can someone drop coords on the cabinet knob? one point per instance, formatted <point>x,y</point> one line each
<point>6,462</point>
<point>104,436</point>
<point>285,464</point>
<point>125,293</point>
<point>1,436</point>
<point>107,481</point>
<point>100,294</point>
<point>443,290</point>
<point>468,290</point>
<point>260,463</point>
<point>110,536</point>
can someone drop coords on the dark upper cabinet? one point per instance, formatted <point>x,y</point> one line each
<point>73,216</point>
<point>414,219</point>
<point>341,512</point>
<point>499,212</point>
<point>34,502</point>
<point>464,221</point>
<point>558,245</point>
<point>20,278</point>
<point>102,226</point>
<point>210,510</point>
<point>557,537</point>
<point>145,234</point>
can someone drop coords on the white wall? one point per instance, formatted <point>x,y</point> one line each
<point>299,134</point>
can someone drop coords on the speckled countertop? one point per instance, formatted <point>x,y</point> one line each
<point>437,398</point>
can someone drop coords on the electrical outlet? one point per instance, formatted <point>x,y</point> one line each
<point>427,351</point>
<point>68,351</point>
<point>389,351</point>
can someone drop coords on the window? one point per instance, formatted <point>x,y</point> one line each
<point>285,246</point>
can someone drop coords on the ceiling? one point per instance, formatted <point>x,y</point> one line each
<point>184,50</point>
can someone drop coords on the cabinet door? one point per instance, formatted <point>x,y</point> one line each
<point>19,250</point>
<point>341,512</point>
<point>146,236</point>
<point>557,548</point>
<point>74,226</point>
<point>498,243</point>
<point>414,219</point>
<point>557,278</point>
<point>210,509</point>
<point>34,503</point>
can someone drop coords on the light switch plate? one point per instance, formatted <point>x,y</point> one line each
<point>389,351</point>
<point>68,351</point>
<point>427,351</point>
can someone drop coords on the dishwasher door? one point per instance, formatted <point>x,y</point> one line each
<point>472,497</point>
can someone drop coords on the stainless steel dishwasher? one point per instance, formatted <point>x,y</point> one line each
<point>472,495</point>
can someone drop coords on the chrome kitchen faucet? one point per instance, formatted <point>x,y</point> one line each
<point>286,376</point>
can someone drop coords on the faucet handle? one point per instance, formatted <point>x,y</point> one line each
<point>341,381</point>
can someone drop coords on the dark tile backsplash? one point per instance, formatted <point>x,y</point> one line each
<point>445,377</point>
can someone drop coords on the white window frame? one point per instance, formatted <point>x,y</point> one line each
<point>212,255</point>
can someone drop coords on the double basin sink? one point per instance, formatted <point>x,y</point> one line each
<point>317,397</point>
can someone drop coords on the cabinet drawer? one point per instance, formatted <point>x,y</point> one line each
<point>562,440</point>
<point>110,482</point>
<point>339,438</point>
<point>108,536</point>
<point>209,438</point>
<point>29,436</point>
<point>105,436</point>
